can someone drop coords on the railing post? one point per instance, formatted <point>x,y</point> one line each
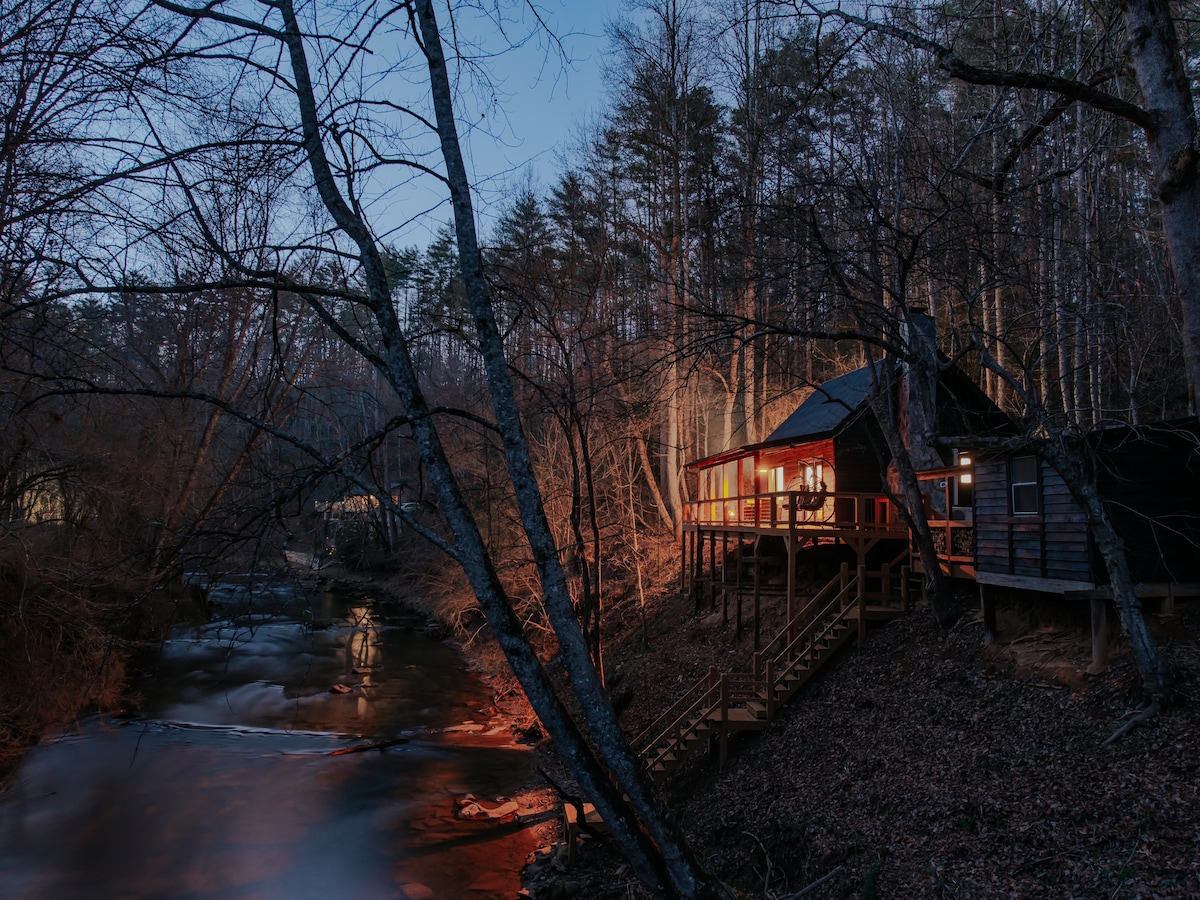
<point>770,684</point>
<point>755,667</point>
<point>712,568</point>
<point>885,581</point>
<point>724,718</point>
<point>905,585</point>
<point>862,603</point>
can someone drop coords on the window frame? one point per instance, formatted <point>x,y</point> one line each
<point>1021,509</point>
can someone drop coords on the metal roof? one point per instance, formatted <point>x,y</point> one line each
<point>827,408</point>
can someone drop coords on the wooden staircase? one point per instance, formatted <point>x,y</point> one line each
<point>722,703</point>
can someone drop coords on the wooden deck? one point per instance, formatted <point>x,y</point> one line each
<point>727,552</point>
<point>836,513</point>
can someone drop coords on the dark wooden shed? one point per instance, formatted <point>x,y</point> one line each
<point>1030,533</point>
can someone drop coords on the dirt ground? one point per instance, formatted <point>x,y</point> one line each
<point>924,764</point>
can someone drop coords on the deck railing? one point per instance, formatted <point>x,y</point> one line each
<point>953,540</point>
<point>798,509</point>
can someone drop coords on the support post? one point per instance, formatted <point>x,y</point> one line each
<point>683,563</point>
<point>1099,637</point>
<point>712,567</point>
<point>905,587</point>
<point>724,718</point>
<point>757,590</point>
<point>790,542</point>
<point>770,685</point>
<point>987,605</point>
<point>862,603</point>
<point>738,624</point>
<point>724,569</point>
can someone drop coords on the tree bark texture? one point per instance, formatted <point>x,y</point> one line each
<point>629,797</point>
<point>1154,52</point>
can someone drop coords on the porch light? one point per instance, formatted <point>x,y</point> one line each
<point>965,478</point>
<point>964,461</point>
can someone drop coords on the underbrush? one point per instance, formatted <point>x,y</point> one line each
<point>69,628</point>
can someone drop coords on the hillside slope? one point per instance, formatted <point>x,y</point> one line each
<point>926,765</point>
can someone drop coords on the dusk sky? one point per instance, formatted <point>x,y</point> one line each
<point>543,102</point>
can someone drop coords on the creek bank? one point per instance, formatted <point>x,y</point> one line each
<point>507,721</point>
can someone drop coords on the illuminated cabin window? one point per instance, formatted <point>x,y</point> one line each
<point>1023,475</point>
<point>813,475</point>
<point>775,482</point>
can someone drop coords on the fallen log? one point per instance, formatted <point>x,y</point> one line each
<point>375,745</point>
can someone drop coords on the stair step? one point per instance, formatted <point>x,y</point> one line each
<point>791,671</point>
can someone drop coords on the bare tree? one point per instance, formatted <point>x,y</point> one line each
<point>327,138</point>
<point>1164,111</point>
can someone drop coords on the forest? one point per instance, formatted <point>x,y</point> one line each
<point>210,327</point>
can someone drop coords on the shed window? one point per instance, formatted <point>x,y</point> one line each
<point>1024,478</point>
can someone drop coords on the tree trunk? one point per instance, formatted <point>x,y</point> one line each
<point>1154,52</point>
<point>629,797</point>
<point>1155,673</point>
<point>913,509</point>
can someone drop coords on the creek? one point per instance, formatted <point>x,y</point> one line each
<point>223,786</point>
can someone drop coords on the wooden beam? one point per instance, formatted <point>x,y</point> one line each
<point>1144,590</point>
<point>757,593</point>
<point>1099,637</point>
<point>862,602</point>
<point>790,543</point>
<point>987,603</point>
<point>1032,583</point>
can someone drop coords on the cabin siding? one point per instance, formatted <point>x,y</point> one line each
<point>1053,544</point>
<point>858,458</point>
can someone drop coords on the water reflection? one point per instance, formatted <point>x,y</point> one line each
<point>223,787</point>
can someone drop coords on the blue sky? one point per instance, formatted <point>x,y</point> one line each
<point>544,96</point>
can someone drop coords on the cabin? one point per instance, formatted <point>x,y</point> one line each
<point>808,470</point>
<point>816,494</point>
<point>1021,533</point>
<point>814,485</point>
<point>808,513</point>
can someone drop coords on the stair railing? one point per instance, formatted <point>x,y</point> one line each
<point>700,699</point>
<point>794,630</point>
<point>829,616</point>
<point>718,693</point>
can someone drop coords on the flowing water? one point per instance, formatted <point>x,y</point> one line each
<point>224,786</point>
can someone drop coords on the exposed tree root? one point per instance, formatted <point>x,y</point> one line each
<point>1146,715</point>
